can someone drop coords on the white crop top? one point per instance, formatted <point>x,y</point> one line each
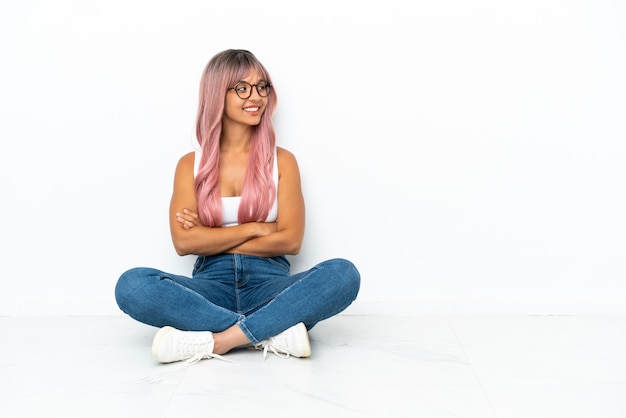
<point>230,205</point>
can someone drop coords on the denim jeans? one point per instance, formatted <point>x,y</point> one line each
<point>258,294</point>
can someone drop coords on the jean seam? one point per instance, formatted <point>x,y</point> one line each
<point>246,331</point>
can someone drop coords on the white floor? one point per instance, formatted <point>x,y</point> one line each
<point>362,366</point>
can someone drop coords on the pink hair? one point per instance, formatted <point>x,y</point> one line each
<point>223,71</point>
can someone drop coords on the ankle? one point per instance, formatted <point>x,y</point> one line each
<point>228,339</point>
<point>219,346</point>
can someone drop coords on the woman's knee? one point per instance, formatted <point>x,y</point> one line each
<point>346,274</point>
<point>129,285</point>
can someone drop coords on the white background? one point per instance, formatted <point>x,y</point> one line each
<point>468,156</point>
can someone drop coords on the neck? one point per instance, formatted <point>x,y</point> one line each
<point>235,137</point>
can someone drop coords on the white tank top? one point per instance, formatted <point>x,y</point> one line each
<point>230,205</point>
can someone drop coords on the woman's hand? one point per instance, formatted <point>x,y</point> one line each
<point>188,219</point>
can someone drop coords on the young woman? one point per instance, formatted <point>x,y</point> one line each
<point>237,204</point>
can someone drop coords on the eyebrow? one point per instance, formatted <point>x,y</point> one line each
<point>262,80</point>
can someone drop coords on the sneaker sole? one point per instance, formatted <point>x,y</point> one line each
<point>306,349</point>
<point>156,342</point>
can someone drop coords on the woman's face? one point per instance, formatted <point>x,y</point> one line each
<point>240,108</point>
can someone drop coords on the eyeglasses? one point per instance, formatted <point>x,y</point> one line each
<point>244,90</point>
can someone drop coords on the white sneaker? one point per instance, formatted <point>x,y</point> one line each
<point>293,341</point>
<point>170,344</point>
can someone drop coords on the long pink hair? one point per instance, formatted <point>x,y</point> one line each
<point>223,71</point>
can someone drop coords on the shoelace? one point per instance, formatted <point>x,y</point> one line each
<point>275,344</point>
<point>200,356</point>
<point>194,347</point>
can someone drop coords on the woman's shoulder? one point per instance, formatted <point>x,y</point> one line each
<point>284,154</point>
<point>287,162</point>
<point>187,160</point>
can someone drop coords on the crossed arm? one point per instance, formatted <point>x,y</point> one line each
<point>263,239</point>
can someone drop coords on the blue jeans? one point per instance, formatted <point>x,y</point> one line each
<point>258,294</point>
